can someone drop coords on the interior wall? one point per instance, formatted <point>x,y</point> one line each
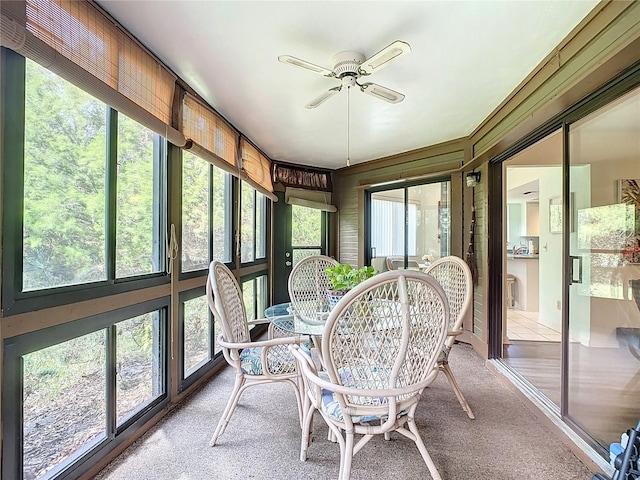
<point>550,293</point>
<point>480,314</point>
<point>549,287</point>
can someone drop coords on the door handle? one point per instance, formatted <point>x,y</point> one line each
<point>572,276</point>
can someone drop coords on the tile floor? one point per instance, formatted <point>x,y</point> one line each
<point>522,325</point>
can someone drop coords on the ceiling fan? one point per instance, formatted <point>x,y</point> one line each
<point>349,67</point>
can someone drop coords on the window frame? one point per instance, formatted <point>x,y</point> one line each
<point>184,382</point>
<point>14,299</point>
<point>229,195</point>
<point>160,190</point>
<point>324,236</point>
<point>261,212</point>
<point>13,381</point>
<point>259,208</point>
<point>253,277</point>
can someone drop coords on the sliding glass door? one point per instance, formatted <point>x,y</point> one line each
<point>408,226</point>
<point>571,268</point>
<point>532,265</point>
<point>603,229</point>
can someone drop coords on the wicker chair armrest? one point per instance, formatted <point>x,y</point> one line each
<point>308,371</point>
<point>258,343</point>
<point>381,392</point>
<point>304,358</point>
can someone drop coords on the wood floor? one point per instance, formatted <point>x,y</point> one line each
<point>603,383</point>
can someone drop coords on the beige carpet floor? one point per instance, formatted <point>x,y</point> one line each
<point>504,442</point>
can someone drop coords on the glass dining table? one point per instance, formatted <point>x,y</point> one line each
<point>284,320</point>
<point>283,317</point>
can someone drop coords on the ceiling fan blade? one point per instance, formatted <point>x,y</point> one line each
<point>383,93</point>
<point>323,98</point>
<point>384,57</point>
<point>296,62</point>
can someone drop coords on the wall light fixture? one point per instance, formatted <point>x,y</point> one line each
<point>473,178</point>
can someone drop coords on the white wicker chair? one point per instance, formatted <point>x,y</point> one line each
<point>380,346</point>
<point>308,285</point>
<point>455,277</point>
<point>255,362</point>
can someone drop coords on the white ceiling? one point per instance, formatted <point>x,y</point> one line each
<point>467,56</point>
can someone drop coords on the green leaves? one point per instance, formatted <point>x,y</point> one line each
<point>64,183</point>
<point>344,277</point>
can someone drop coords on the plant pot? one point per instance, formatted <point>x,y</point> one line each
<point>334,297</point>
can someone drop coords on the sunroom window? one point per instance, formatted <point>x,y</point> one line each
<point>253,228</point>
<point>64,183</point>
<point>138,207</point>
<point>206,213</point>
<point>85,163</point>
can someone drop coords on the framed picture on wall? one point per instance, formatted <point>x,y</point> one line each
<point>555,213</point>
<point>629,191</point>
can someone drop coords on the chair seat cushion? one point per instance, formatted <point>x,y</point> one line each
<point>250,361</point>
<point>281,360</point>
<point>331,406</point>
<point>306,347</point>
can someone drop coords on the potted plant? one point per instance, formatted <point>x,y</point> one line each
<point>343,277</point>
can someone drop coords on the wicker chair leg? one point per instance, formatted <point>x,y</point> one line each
<point>306,431</point>
<point>444,366</point>
<point>346,454</point>
<point>423,449</point>
<point>306,405</point>
<point>228,410</point>
<point>299,398</point>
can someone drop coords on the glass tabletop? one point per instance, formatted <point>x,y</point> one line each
<point>280,315</point>
<point>278,310</point>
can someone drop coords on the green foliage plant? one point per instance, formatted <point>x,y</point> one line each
<point>343,277</point>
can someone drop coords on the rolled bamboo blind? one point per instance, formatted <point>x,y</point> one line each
<point>77,42</point>
<point>209,135</point>
<point>256,169</point>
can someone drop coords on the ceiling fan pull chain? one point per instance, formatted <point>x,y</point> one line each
<point>348,126</point>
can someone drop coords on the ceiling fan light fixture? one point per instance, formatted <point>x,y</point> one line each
<point>348,81</point>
